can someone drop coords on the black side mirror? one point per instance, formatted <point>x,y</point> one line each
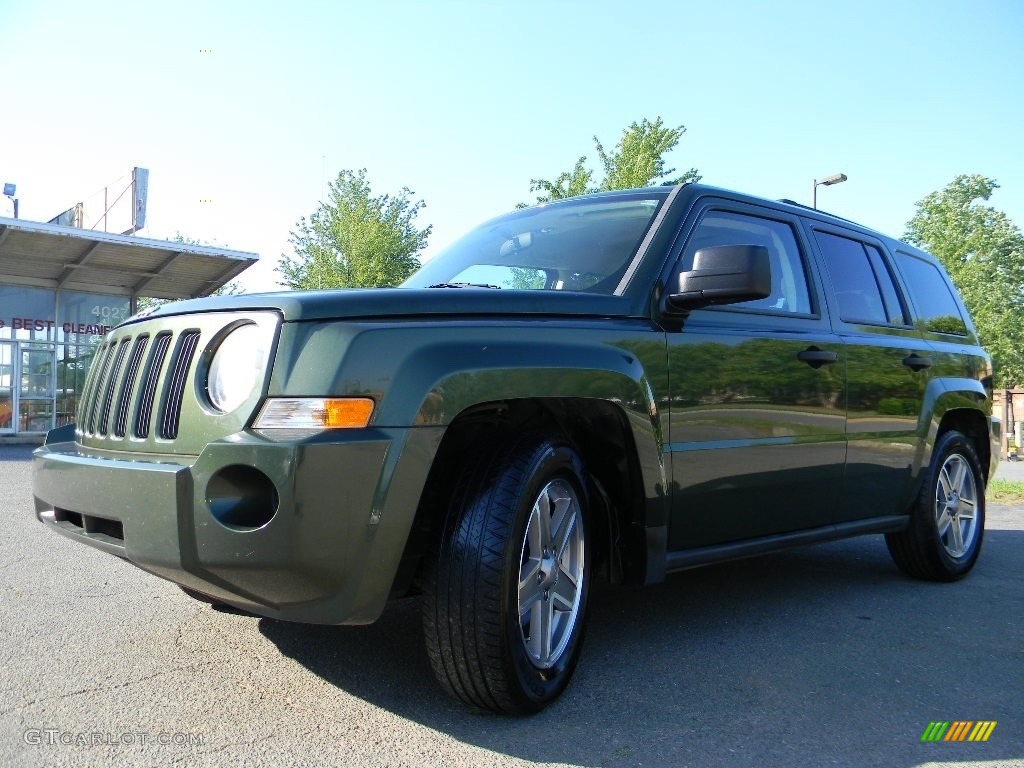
<point>723,274</point>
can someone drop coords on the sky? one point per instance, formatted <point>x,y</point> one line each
<point>243,111</point>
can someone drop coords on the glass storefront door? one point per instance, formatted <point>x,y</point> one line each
<point>6,387</point>
<point>35,396</point>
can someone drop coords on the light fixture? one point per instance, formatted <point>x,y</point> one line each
<point>828,181</point>
<point>9,190</point>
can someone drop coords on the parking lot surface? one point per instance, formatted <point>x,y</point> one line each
<point>823,656</point>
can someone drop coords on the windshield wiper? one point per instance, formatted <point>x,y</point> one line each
<point>464,285</point>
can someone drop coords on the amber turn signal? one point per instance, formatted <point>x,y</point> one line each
<point>315,413</point>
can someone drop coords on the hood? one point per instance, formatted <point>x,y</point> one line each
<point>370,303</point>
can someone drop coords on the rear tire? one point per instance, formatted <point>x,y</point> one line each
<point>947,523</point>
<point>505,600</point>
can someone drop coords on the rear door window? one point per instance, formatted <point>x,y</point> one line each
<point>864,287</point>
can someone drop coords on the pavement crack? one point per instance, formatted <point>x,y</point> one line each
<point>104,688</point>
<point>190,758</point>
<point>15,561</point>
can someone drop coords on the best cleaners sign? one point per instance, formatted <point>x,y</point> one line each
<point>39,326</point>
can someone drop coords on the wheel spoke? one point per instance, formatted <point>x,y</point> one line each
<point>530,628</point>
<point>543,629</point>
<point>564,592</point>
<point>565,526</point>
<point>945,483</point>
<point>959,479</point>
<point>943,522</point>
<point>958,539</point>
<point>530,590</point>
<point>965,510</point>
<point>540,526</point>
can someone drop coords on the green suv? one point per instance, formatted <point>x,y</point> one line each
<point>630,383</point>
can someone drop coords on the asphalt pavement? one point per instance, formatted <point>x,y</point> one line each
<point>822,656</point>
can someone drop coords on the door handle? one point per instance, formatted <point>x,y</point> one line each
<point>915,362</point>
<point>816,357</point>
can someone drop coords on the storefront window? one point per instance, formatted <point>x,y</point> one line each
<point>85,318</point>
<point>72,366</point>
<point>35,389</point>
<point>26,313</point>
<point>6,385</point>
<point>35,415</point>
<point>41,382</point>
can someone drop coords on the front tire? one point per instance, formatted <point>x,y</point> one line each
<point>506,599</point>
<point>947,523</point>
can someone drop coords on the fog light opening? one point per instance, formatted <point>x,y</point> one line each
<point>241,498</point>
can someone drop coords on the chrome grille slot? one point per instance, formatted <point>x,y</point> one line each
<point>112,384</point>
<point>131,374</point>
<point>144,410</point>
<point>93,399</point>
<point>176,380</point>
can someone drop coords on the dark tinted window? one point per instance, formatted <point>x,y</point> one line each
<point>890,294</point>
<point>862,282</point>
<point>789,279</point>
<point>938,309</point>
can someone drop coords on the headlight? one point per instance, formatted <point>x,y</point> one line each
<point>237,367</point>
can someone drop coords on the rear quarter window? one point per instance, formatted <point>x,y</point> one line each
<point>937,309</point>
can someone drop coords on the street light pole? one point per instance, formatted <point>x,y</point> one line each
<point>9,190</point>
<point>828,181</point>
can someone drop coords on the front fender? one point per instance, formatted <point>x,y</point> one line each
<point>425,373</point>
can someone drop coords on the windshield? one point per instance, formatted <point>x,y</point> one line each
<point>584,244</point>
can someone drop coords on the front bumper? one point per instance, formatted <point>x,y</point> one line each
<point>328,554</point>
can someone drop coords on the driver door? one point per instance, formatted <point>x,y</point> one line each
<point>757,415</point>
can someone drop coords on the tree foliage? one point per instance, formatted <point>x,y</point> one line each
<point>355,239</point>
<point>637,160</point>
<point>983,251</point>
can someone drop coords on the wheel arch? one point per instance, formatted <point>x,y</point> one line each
<point>974,425</point>
<point>606,437</point>
<point>963,405</point>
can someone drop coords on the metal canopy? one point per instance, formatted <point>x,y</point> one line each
<point>53,256</point>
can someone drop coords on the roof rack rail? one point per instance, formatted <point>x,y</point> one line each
<point>816,210</point>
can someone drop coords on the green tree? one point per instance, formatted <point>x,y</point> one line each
<point>637,160</point>
<point>983,251</point>
<point>356,239</point>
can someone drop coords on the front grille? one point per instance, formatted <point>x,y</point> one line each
<point>116,395</point>
<point>142,394</point>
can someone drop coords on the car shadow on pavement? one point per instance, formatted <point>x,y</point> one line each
<point>794,657</point>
